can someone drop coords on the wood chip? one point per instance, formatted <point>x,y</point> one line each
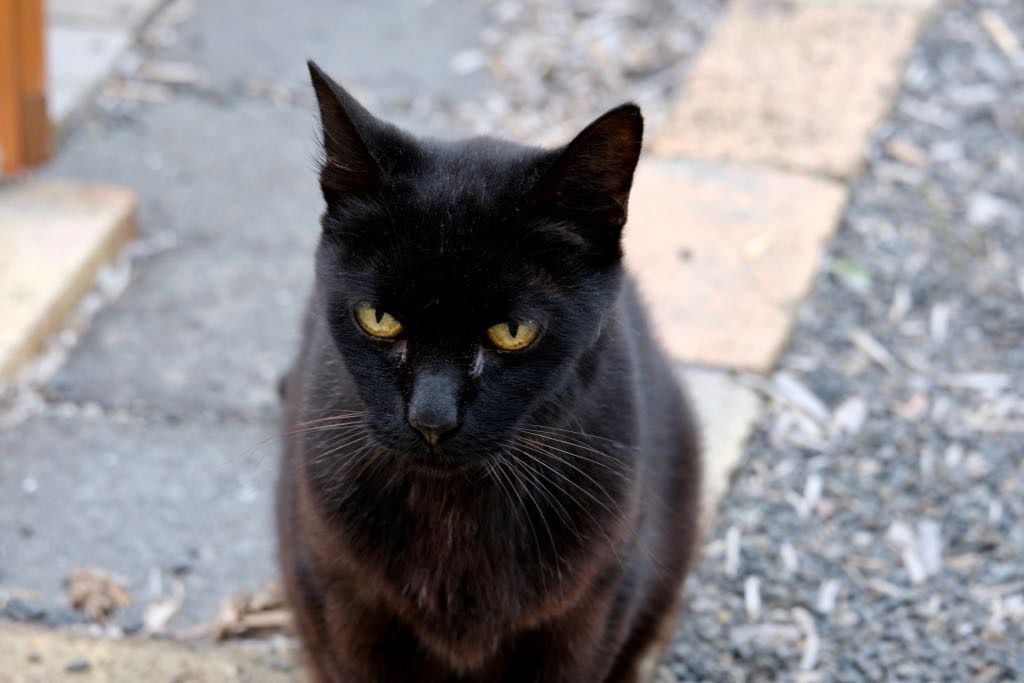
<point>1001,34</point>
<point>245,614</point>
<point>789,557</point>
<point>849,416</point>
<point>796,393</point>
<point>929,535</point>
<point>812,643</point>
<point>97,593</point>
<point>827,595</point>
<point>939,322</point>
<point>906,152</point>
<point>752,597</point>
<point>873,349</point>
<point>159,613</point>
<point>732,552</point>
<point>902,302</point>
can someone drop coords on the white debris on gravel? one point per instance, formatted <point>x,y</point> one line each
<point>752,597</point>
<point>904,399</point>
<point>732,552</point>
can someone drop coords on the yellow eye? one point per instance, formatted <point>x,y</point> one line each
<point>513,335</point>
<point>377,323</point>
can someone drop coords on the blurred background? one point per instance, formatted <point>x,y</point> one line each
<point>827,224</point>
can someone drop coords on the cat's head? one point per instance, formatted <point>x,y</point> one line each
<point>466,284</point>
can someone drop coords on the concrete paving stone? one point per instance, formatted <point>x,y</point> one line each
<point>78,58</point>
<point>389,54</point>
<point>32,655</point>
<point>136,498</point>
<point>727,411</point>
<point>210,323</point>
<point>198,178</point>
<point>794,85</point>
<point>54,237</point>
<point>123,15</point>
<point>724,255</point>
<point>206,327</point>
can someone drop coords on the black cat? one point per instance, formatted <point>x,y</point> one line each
<point>490,473</point>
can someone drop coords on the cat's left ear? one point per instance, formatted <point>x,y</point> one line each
<point>350,139</point>
<point>592,175</point>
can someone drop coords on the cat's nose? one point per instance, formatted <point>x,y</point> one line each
<point>434,406</point>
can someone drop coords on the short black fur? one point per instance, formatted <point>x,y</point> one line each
<point>540,526</point>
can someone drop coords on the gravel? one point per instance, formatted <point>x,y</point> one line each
<point>875,529</point>
<point>556,64</point>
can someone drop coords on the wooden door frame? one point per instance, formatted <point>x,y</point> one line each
<point>25,131</point>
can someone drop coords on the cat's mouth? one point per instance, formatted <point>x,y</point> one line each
<point>436,462</point>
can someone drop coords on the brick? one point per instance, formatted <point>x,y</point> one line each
<point>54,237</point>
<point>34,654</point>
<point>726,411</point>
<point>724,254</point>
<point>799,86</point>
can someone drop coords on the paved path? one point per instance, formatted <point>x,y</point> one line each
<point>153,453</point>
<point>151,457</point>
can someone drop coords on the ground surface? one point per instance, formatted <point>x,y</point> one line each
<point>150,453</point>
<point>151,458</point>
<point>874,531</point>
<point>882,508</point>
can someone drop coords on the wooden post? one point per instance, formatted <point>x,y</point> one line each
<point>25,132</point>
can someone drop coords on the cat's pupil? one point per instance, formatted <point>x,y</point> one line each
<point>513,329</point>
<point>379,314</point>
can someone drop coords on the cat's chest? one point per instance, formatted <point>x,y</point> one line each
<point>451,551</point>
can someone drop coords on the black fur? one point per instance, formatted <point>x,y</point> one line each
<point>546,534</point>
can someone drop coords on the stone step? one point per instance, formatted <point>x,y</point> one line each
<point>54,238</point>
<point>30,654</point>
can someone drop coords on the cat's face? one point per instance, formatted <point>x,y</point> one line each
<point>466,284</point>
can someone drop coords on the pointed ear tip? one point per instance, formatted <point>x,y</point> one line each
<point>633,111</point>
<point>318,76</point>
<point>627,111</point>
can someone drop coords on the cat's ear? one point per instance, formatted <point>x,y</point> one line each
<point>348,169</point>
<point>591,177</point>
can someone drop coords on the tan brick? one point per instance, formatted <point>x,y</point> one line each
<point>725,253</point>
<point>54,237</point>
<point>30,654</point>
<point>799,86</point>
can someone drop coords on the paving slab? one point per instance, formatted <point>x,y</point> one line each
<point>78,58</point>
<point>54,237</point>
<point>197,177</point>
<point>124,15</point>
<point>724,255</point>
<point>138,498</point>
<point>794,85</point>
<point>210,322</point>
<point>395,56</point>
<point>727,411</point>
<point>31,655</point>
<point>202,328</point>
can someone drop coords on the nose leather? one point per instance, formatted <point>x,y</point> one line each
<point>434,405</point>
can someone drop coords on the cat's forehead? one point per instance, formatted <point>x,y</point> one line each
<point>474,171</point>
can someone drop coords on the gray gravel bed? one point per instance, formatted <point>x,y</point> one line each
<point>553,65</point>
<point>875,530</point>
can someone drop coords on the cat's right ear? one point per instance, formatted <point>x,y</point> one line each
<point>348,169</point>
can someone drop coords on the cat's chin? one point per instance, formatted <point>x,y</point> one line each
<point>441,465</point>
